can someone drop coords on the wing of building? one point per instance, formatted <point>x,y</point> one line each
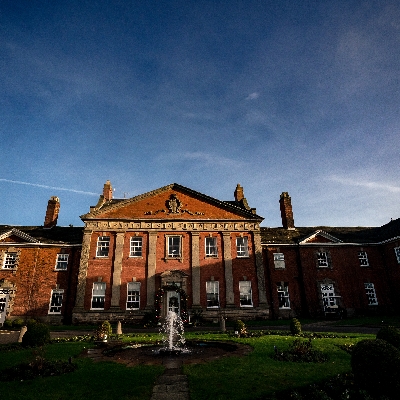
<point>175,249</point>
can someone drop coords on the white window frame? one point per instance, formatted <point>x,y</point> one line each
<point>397,253</point>
<point>61,262</point>
<point>363,257</point>
<point>212,292</point>
<point>133,296</point>
<point>371,294</point>
<point>245,294</point>
<point>211,248</point>
<point>55,304</point>
<point>136,246</point>
<point>283,296</point>
<point>103,246</point>
<point>329,299</point>
<point>10,260</point>
<point>323,259</point>
<point>279,260</point>
<point>98,295</point>
<point>174,250</point>
<point>242,247</point>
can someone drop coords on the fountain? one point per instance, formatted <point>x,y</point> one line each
<point>173,335</point>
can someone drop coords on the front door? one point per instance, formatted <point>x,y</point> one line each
<point>3,304</point>
<point>173,301</point>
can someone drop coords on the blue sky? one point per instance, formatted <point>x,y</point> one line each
<point>296,96</point>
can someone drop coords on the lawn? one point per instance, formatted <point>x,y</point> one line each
<point>253,376</point>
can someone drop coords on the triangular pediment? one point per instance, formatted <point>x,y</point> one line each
<point>16,236</point>
<point>320,237</point>
<point>172,202</point>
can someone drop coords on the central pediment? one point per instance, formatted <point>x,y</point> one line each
<point>172,202</point>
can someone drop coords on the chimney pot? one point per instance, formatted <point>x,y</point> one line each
<point>286,211</point>
<point>239,193</point>
<point>107,191</point>
<point>53,208</point>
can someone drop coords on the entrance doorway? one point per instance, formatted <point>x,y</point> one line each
<point>174,301</point>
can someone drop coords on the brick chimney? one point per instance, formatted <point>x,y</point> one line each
<point>239,193</point>
<point>53,208</point>
<point>107,191</point>
<point>286,211</point>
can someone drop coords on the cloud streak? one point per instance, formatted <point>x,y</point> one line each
<point>49,187</point>
<point>367,184</point>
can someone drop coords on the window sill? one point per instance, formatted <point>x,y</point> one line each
<point>246,306</point>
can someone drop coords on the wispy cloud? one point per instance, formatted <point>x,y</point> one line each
<point>253,96</point>
<point>364,183</point>
<point>213,159</point>
<point>48,187</point>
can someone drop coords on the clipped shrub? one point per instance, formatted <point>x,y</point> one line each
<point>240,327</point>
<point>295,326</point>
<point>103,331</point>
<point>7,324</point>
<point>18,323</point>
<point>390,334</point>
<point>376,366</point>
<point>37,334</point>
<point>301,351</point>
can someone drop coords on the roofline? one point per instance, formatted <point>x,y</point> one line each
<point>221,203</point>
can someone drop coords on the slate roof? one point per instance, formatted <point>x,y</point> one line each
<point>344,234</point>
<point>55,235</point>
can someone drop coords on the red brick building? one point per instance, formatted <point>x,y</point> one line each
<point>176,249</point>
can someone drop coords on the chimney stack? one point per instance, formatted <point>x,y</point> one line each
<point>53,208</point>
<point>107,191</point>
<point>239,193</point>
<point>286,211</point>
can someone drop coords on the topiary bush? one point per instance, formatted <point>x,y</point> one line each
<point>103,331</point>
<point>376,366</point>
<point>390,334</point>
<point>37,334</point>
<point>295,326</point>
<point>240,328</point>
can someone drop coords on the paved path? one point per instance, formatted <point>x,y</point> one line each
<point>172,384</point>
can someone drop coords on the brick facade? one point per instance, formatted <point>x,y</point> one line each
<point>174,244</point>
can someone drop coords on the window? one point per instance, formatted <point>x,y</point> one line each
<point>328,297</point>
<point>397,252</point>
<point>211,247</point>
<point>62,262</point>
<point>56,301</point>
<point>283,295</point>
<point>174,246</point>
<point>362,256</point>
<point>322,259</point>
<point>103,246</point>
<point>136,246</point>
<point>133,299</point>
<point>279,260</point>
<point>98,295</point>
<point>245,294</point>
<point>10,260</point>
<point>212,289</point>
<point>242,249</point>
<point>371,295</point>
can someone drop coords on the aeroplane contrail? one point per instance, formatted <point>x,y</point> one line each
<point>48,187</point>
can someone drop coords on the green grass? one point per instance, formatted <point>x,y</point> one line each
<point>257,375</point>
<point>103,380</point>
<point>253,376</point>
